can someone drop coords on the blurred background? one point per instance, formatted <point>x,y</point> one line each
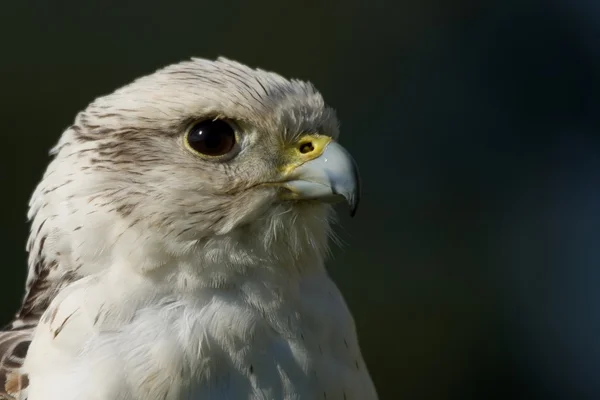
<point>472,267</point>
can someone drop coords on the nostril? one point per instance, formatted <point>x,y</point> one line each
<point>306,147</point>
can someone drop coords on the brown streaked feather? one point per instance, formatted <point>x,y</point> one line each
<point>16,337</point>
<point>13,349</point>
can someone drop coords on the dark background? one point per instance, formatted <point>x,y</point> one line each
<point>472,265</point>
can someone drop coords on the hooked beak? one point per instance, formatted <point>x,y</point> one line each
<point>321,169</point>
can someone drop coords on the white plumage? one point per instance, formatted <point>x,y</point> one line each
<point>165,273</point>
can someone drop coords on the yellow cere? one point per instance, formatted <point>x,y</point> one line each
<point>307,148</point>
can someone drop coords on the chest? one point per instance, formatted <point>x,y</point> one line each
<point>233,348</point>
<point>249,343</point>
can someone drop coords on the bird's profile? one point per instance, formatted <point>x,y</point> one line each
<point>177,248</point>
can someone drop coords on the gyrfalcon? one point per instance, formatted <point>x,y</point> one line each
<point>177,248</point>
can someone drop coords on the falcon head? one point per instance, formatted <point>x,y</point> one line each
<point>213,157</point>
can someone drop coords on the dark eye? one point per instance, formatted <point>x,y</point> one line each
<point>211,137</point>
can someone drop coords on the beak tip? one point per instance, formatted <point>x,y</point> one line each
<point>353,201</point>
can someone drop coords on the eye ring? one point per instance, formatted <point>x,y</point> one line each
<point>211,138</point>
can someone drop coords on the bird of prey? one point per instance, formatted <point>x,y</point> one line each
<point>177,247</point>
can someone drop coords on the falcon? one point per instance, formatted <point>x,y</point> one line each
<point>177,247</point>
